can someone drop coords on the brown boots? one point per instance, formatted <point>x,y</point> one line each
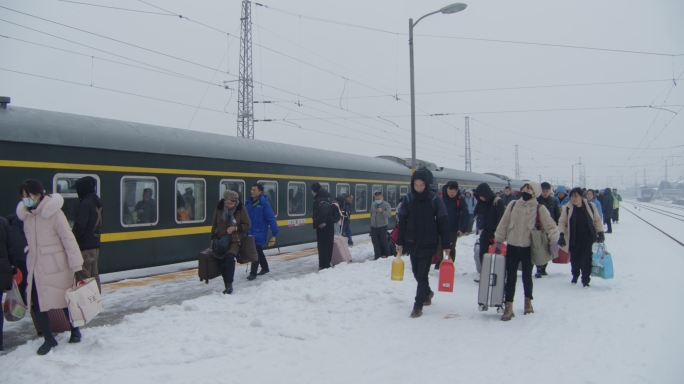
<point>528,306</point>
<point>417,312</point>
<point>508,312</point>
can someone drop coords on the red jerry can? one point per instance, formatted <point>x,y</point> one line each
<point>503,249</point>
<point>446,275</point>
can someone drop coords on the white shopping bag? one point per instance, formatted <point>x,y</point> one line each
<point>84,302</point>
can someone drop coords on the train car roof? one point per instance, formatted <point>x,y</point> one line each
<point>455,174</point>
<point>29,125</point>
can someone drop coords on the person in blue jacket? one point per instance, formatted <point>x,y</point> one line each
<point>261,215</point>
<point>562,195</point>
<point>591,197</point>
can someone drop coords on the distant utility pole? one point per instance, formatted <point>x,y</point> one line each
<point>245,120</point>
<point>635,178</point>
<point>517,164</point>
<point>665,169</point>
<point>468,159</point>
<point>644,177</point>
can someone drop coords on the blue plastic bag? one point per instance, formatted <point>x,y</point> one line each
<point>601,262</point>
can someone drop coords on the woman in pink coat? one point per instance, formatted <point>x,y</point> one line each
<point>53,256</point>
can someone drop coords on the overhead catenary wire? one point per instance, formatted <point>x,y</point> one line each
<point>115,8</point>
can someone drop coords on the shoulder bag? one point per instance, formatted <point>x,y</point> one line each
<point>541,251</point>
<point>248,252</point>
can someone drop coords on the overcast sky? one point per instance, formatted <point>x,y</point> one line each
<point>336,84</point>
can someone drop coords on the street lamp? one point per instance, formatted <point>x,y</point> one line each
<point>449,9</point>
<point>572,180</point>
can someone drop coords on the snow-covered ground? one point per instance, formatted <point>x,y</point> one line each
<point>350,324</point>
<point>670,219</point>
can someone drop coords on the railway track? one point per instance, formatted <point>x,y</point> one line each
<point>663,212</point>
<point>658,229</point>
<point>678,207</point>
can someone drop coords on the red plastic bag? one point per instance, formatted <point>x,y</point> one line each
<point>18,277</point>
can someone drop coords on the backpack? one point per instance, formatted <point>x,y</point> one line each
<point>334,212</point>
<point>435,207</point>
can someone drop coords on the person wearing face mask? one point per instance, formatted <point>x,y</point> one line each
<point>490,208</point>
<point>423,221</point>
<point>515,228</point>
<point>53,257</point>
<point>457,210</point>
<point>580,226</point>
<point>381,211</point>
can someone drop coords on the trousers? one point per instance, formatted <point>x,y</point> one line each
<point>380,243</point>
<point>42,317</point>
<point>421,269</point>
<point>514,256</point>
<point>324,241</point>
<point>346,231</point>
<point>90,257</point>
<point>580,260</point>
<point>228,269</point>
<point>453,237</point>
<point>262,261</point>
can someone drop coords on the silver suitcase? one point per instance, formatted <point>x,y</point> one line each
<point>492,281</point>
<point>476,250</point>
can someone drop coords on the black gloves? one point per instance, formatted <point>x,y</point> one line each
<point>561,240</point>
<point>601,237</point>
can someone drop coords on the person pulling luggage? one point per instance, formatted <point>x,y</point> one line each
<point>515,228</point>
<point>489,209</point>
<point>580,226</point>
<point>230,219</point>
<point>423,220</point>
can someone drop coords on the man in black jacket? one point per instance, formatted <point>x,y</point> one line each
<point>551,203</point>
<point>607,205</point>
<point>323,223</point>
<point>7,264</point>
<point>423,220</point>
<point>19,243</point>
<point>491,208</point>
<point>87,227</point>
<point>457,210</point>
<point>508,196</point>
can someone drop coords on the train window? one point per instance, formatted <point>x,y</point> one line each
<point>403,190</point>
<point>325,186</point>
<point>342,189</point>
<point>233,185</point>
<point>296,198</point>
<point>65,185</point>
<point>392,196</point>
<point>361,197</point>
<point>139,201</point>
<point>190,200</point>
<point>377,188</point>
<point>271,193</point>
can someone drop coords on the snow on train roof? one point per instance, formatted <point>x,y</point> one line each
<point>19,124</point>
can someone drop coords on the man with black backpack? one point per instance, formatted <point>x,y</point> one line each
<point>323,222</point>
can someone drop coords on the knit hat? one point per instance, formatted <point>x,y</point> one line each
<point>230,195</point>
<point>545,185</point>
<point>316,186</point>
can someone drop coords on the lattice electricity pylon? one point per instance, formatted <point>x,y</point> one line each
<point>517,164</point>
<point>468,159</point>
<point>245,120</point>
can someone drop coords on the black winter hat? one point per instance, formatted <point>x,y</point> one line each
<point>316,186</point>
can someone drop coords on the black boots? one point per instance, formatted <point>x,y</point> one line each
<point>229,289</point>
<point>47,346</point>
<point>428,300</point>
<point>75,336</point>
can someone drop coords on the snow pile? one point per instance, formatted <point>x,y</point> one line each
<point>351,324</point>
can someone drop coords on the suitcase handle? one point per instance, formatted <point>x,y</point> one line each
<point>494,276</point>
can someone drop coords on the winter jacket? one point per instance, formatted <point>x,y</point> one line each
<point>219,227</point>
<point>491,210</point>
<point>7,259</point>
<point>508,199</point>
<point>261,216</point>
<point>19,242</point>
<point>597,203</point>
<point>321,208</point>
<point>423,220</point>
<point>379,220</point>
<point>88,216</point>
<point>470,201</point>
<point>551,203</point>
<point>149,208</point>
<point>53,253</point>
<point>607,204</point>
<point>345,207</point>
<point>457,210</point>
<point>616,200</point>
<point>593,218</point>
<point>565,199</point>
<point>520,218</point>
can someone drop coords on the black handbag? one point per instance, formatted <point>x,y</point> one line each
<point>248,252</point>
<point>222,245</point>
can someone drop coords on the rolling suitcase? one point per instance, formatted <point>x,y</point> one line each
<point>58,321</point>
<point>492,281</point>
<point>209,267</point>
<point>340,252</point>
<point>476,251</point>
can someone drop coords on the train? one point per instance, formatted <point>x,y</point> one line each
<point>645,194</point>
<point>180,169</point>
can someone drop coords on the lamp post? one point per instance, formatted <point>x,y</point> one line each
<point>572,180</point>
<point>449,9</point>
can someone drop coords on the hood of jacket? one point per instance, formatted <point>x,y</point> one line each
<point>323,193</point>
<point>48,206</point>
<point>561,189</point>
<point>421,175</point>
<point>85,185</point>
<point>485,191</point>
<point>536,187</point>
<point>468,191</point>
<point>607,191</point>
